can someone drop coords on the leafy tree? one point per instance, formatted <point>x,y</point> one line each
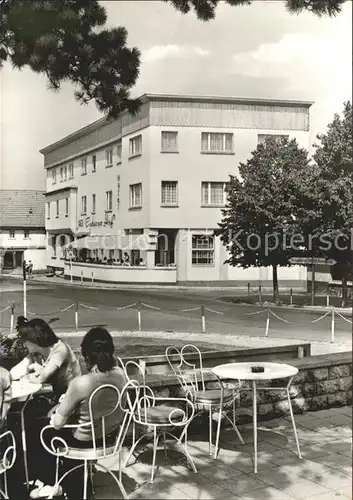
<point>259,223</point>
<point>329,197</point>
<point>206,9</point>
<point>65,40</point>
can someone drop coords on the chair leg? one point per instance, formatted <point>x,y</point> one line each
<point>155,444</point>
<point>210,430</point>
<point>184,449</point>
<point>233,424</point>
<point>133,448</point>
<point>119,483</point>
<point>91,476</point>
<point>293,423</point>
<point>218,431</point>
<point>85,480</point>
<point>65,475</point>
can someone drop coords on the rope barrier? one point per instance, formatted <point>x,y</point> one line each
<point>126,307</point>
<point>213,311</point>
<point>257,312</point>
<point>321,317</point>
<point>275,315</point>
<point>88,307</point>
<point>188,310</point>
<point>35,313</point>
<point>6,308</point>
<point>150,307</point>
<point>345,319</point>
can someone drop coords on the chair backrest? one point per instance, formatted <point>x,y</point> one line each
<point>188,372</point>
<point>104,402</point>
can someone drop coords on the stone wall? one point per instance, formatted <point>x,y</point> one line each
<point>322,382</point>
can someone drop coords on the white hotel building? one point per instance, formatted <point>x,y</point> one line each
<point>153,186</point>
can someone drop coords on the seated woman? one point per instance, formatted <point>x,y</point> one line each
<point>50,360</point>
<point>98,351</point>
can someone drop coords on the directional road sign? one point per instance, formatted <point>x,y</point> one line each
<point>304,261</point>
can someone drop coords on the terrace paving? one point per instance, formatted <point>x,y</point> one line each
<point>324,472</point>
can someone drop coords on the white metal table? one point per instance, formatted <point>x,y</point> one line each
<point>272,371</point>
<point>22,392</point>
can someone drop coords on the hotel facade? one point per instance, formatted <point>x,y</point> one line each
<point>152,186</point>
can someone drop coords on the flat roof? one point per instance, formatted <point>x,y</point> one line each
<point>175,98</point>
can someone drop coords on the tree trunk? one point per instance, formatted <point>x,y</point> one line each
<point>275,284</point>
<point>344,293</point>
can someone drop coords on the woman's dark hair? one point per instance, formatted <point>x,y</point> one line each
<point>98,349</point>
<point>36,331</point>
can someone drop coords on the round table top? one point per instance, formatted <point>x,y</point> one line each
<point>23,388</point>
<point>242,371</point>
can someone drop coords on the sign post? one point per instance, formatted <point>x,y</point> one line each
<point>312,282</point>
<point>24,269</point>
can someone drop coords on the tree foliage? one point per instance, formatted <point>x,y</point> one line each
<point>330,195</point>
<point>259,220</point>
<point>66,40</point>
<point>206,9</point>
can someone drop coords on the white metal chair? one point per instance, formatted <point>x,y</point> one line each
<point>7,458</point>
<point>192,380</point>
<point>60,449</point>
<point>160,415</point>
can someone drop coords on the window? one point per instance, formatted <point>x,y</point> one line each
<point>71,170</point>
<point>83,205</point>
<point>26,233</point>
<point>119,152</point>
<point>202,250</point>
<point>54,175</point>
<point>169,142</point>
<point>169,193</point>
<point>109,201</point>
<point>135,146</point>
<point>109,157</point>
<point>261,138</point>
<point>61,174</point>
<point>83,166</point>
<point>57,208</point>
<point>135,195</point>
<point>11,233</point>
<point>65,173</point>
<point>48,210</point>
<point>66,207</point>
<point>94,163</point>
<point>93,203</point>
<point>216,142</point>
<point>214,193</point>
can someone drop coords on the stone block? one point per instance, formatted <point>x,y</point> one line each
<point>345,384</point>
<point>349,398</point>
<point>295,391</point>
<point>338,371</point>
<point>282,406</point>
<point>275,396</point>
<point>317,402</point>
<point>161,392</point>
<point>300,377</point>
<point>309,389</point>
<point>299,405</point>
<point>212,385</point>
<point>337,399</point>
<point>317,374</point>
<point>328,386</point>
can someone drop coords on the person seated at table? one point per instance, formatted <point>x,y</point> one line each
<point>49,359</point>
<point>98,352</point>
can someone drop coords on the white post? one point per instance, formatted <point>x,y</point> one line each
<point>260,294</point>
<point>76,316</point>
<point>291,297</point>
<point>139,322</point>
<point>203,319</point>
<point>12,318</point>
<point>92,281</point>
<point>267,323</point>
<point>71,277</point>
<point>333,325</point>
<point>81,277</point>
<point>328,299</point>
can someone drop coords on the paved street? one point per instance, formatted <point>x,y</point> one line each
<point>165,310</point>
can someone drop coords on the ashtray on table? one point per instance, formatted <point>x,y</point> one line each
<point>257,369</point>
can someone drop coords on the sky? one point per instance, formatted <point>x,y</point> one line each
<point>254,51</point>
